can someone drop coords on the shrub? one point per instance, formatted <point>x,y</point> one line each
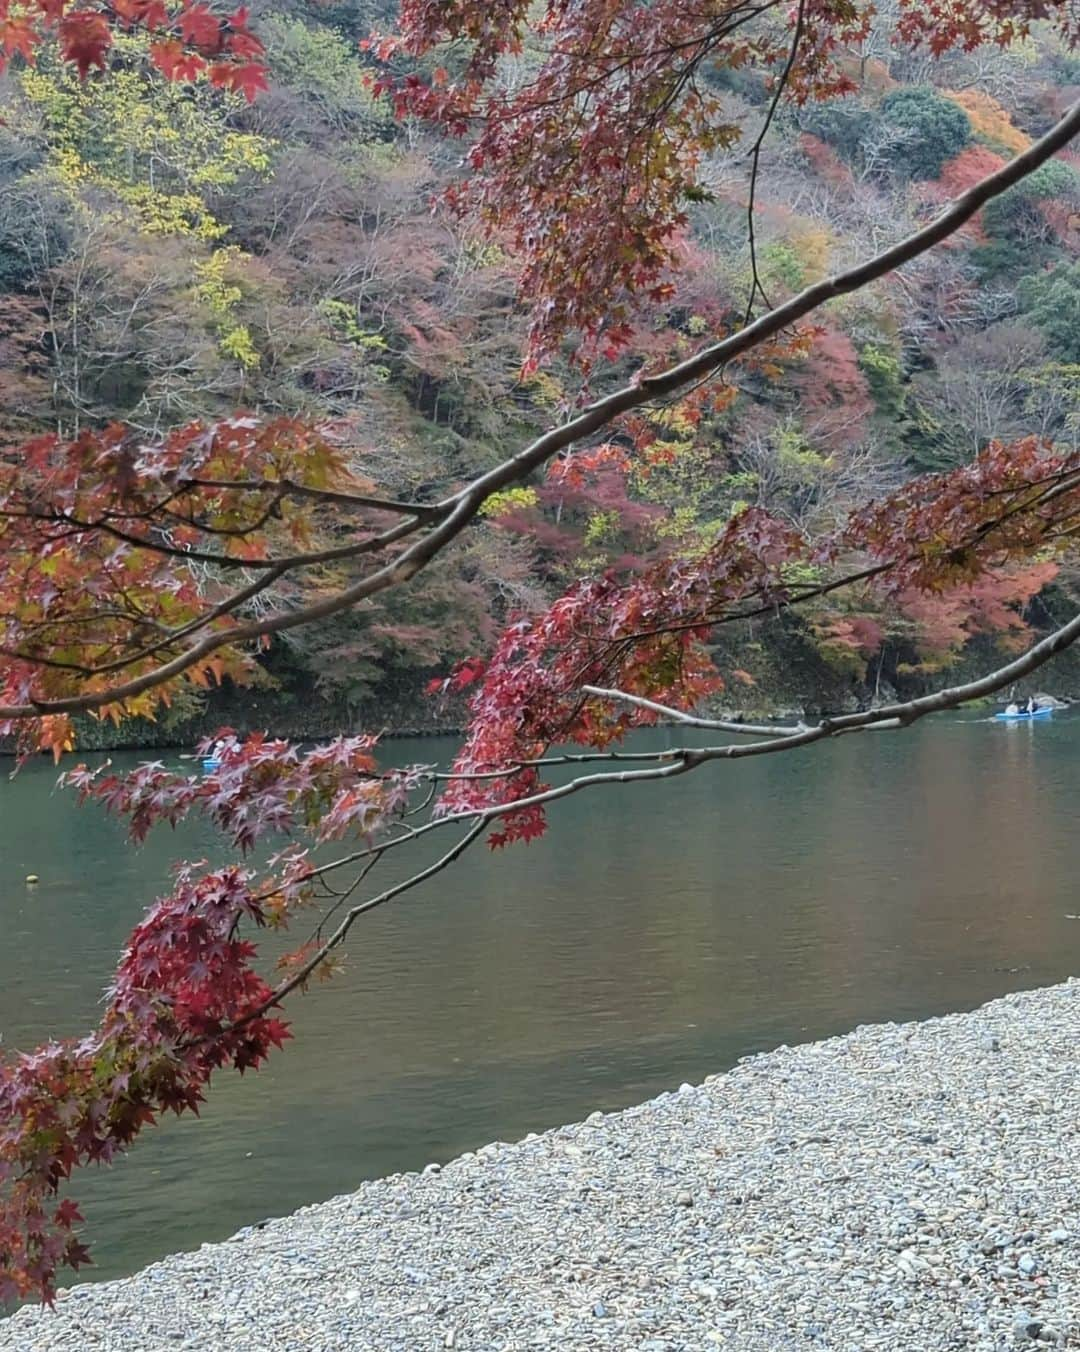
<point>939,130</point>
<point>1052,303</point>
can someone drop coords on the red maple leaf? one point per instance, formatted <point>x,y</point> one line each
<point>67,1213</point>
<point>201,28</point>
<point>241,42</point>
<point>77,1255</point>
<point>17,35</point>
<point>84,40</point>
<point>130,12</point>
<point>247,78</point>
<point>175,61</point>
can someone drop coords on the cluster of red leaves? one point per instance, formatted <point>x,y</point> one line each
<point>573,470</point>
<point>578,489</point>
<point>186,1001</point>
<point>859,634</point>
<point>967,24</point>
<point>463,675</point>
<point>188,40</point>
<point>834,394</point>
<point>936,626</point>
<point>957,176</point>
<point>263,785</point>
<point>992,604</point>
<point>944,535</point>
<point>944,531</point>
<point>587,166</point>
<point>95,535</point>
<point>646,635</point>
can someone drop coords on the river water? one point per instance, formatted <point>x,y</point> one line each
<point>655,935</point>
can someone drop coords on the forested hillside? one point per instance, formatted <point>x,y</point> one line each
<point>170,252</point>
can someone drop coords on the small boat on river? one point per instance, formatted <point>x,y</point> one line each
<point>1022,715</point>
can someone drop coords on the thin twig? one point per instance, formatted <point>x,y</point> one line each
<point>289,488</point>
<point>301,975</point>
<point>756,288</point>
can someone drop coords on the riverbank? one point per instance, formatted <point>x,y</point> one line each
<point>789,679</point>
<point>903,1187</point>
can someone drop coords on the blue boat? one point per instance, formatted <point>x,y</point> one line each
<point>1023,715</point>
<point>211,763</point>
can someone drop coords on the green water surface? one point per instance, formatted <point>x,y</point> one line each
<point>656,935</point>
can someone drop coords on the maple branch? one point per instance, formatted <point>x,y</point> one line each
<point>286,562</point>
<point>232,603</point>
<point>700,45</point>
<point>716,724</point>
<point>692,720</point>
<point>769,605</point>
<point>454,513</point>
<point>1045,491</point>
<point>290,489</point>
<point>666,764</point>
<point>301,975</point>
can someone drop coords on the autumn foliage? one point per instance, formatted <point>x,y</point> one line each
<point>90,535</point>
<point>188,40</point>
<point>589,165</point>
<point>937,549</point>
<point>188,1000</point>
<point>183,1004</point>
<point>134,567</point>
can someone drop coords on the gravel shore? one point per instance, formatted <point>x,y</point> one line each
<point>910,1187</point>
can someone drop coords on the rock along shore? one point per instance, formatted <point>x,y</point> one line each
<point>911,1187</point>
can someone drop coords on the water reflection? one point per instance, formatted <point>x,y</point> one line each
<point>657,934</point>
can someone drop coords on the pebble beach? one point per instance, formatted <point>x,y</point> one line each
<point>910,1187</point>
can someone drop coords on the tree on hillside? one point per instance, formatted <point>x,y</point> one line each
<point>934,129</point>
<point>1051,302</point>
<point>133,568</point>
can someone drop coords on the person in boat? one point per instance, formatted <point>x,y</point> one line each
<point>1012,707</point>
<point>1031,706</point>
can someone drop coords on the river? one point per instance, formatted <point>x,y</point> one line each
<point>656,935</point>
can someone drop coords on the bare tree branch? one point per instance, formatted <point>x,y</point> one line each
<point>301,975</point>
<point>756,289</point>
<point>692,720</point>
<point>288,488</point>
